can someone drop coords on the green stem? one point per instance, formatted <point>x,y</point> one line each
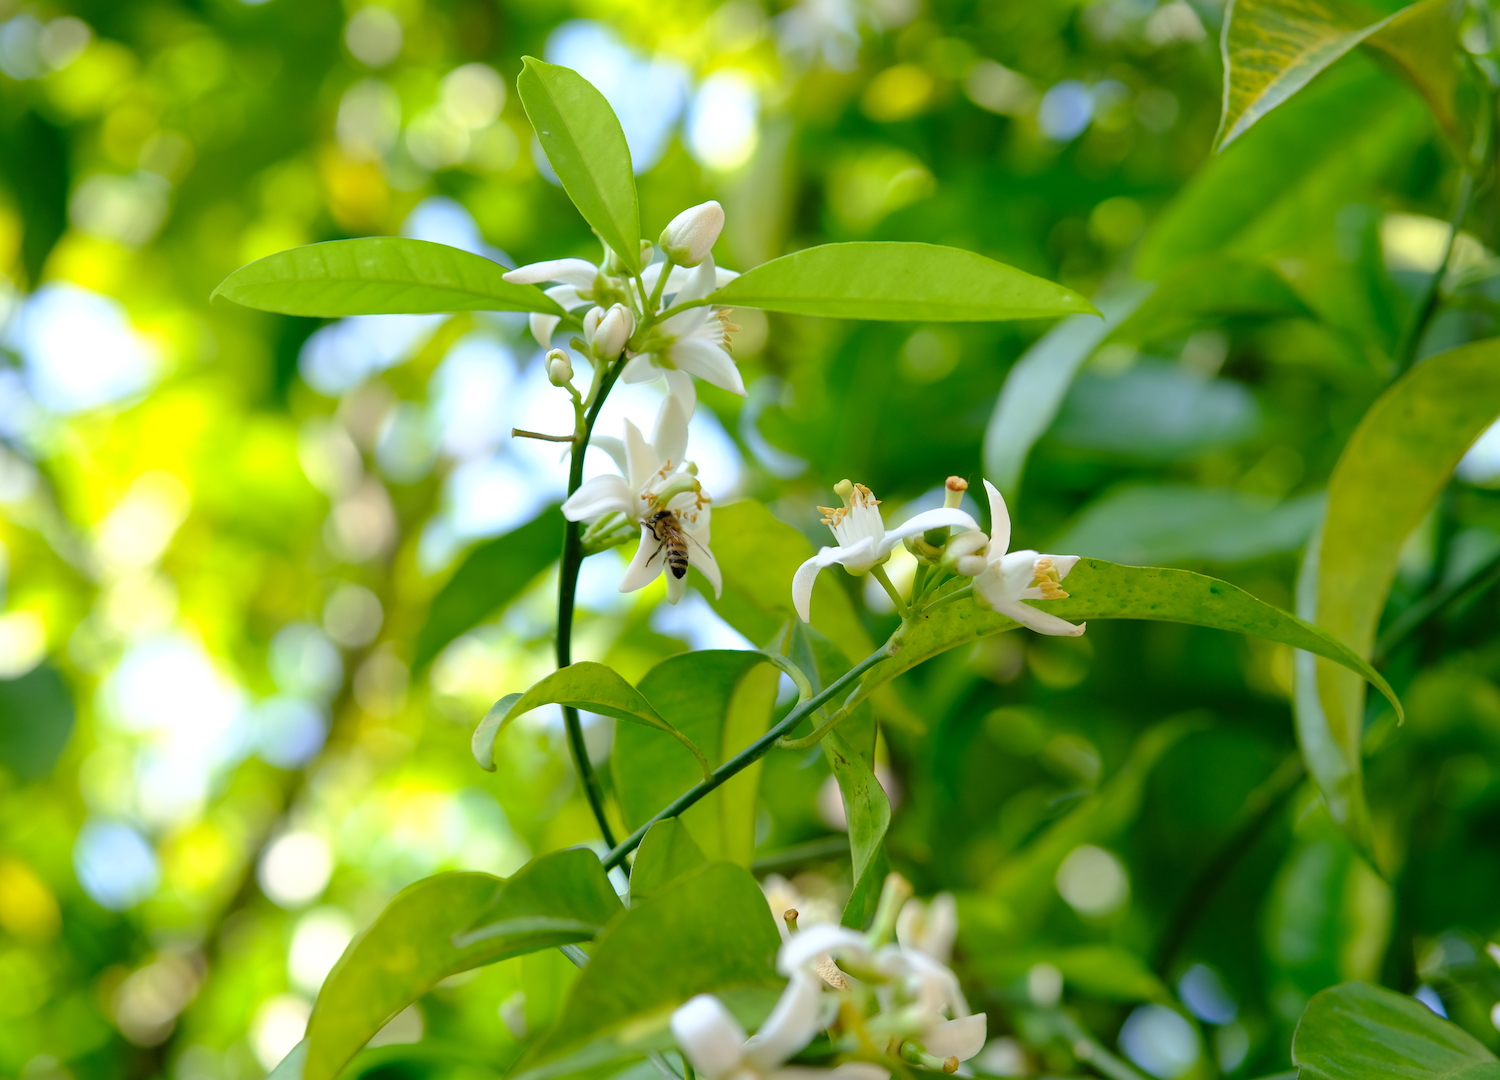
<point>1427,300</point>
<point>1087,1048</point>
<point>948,598</point>
<point>567,589</point>
<point>817,735</point>
<point>746,757</point>
<point>879,574</point>
<point>661,284</point>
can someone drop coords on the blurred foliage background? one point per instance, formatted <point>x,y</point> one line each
<point>223,746</point>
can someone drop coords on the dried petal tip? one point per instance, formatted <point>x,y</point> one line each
<point>691,235</point>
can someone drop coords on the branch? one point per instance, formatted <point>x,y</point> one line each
<point>748,756</point>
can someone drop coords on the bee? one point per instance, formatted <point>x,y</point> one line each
<point>666,529</point>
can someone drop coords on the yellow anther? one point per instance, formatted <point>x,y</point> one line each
<point>1047,580</point>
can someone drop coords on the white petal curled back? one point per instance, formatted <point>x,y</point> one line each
<point>707,361</point>
<point>574,272</point>
<point>920,523</point>
<point>807,574</point>
<point>542,327</point>
<point>606,494</point>
<point>807,945</point>
<point>961,1038</point>
<point>797,1017</point>
<point>709,1036</point>
<point>649,560</point>
<point>999,520</point>
<point>1040,621</point>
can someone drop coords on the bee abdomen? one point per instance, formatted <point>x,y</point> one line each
<point>677,560</point>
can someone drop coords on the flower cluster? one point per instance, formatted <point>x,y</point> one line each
<point>637,329</point>
<point>876,998</point>
<point>1003,579</point>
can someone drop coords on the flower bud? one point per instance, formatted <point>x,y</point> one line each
<point>608,331</point>
<point>559,368</point>
<point>964,553</point>
<point>691,235</point>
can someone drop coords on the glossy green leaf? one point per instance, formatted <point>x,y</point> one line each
<point>1206,291</point>
<point>598,689</point>
<point>557,898</point>
<point>1035,387</point>
<point>711,932</point>
<point>378,275</point>
<point>1103,590</point>
<point>584,142</point>
<point>1391,471</point>
<point>490,576</point>
<point>666,854</point>
<point>757,555</point>
<point>1290,176</point>
<point>907,282</point>
<point>1362,1032</point>
<point>411,946</point>
<point>36,721</point>
<point>1273,48</point>
<point>721,699</point>
<point>1421,42</point>
<point>1155,524</point>
<point>868,813</point>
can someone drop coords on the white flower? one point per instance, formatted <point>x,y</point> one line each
<point>713,1041</point>
<point>576,278</point>
<point>783,896</point>
<point>660,492</point>
<point>692,342</point>
<point>929,928</point>
<point>691,235</point>
<point>863,541</point>
<point>1008,579</point>
<point>607,331</point>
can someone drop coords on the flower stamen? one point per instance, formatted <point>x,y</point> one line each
<point>1048,580</point>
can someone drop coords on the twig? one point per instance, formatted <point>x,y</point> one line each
<point>746,757</point>
<point>522,433</point>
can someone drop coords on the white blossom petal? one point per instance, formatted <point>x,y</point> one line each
<point>648,562</point>
<point>671,434</point>
<point>576,272</point>
<point>639,369</point>
<point>709,362</point>
<point>680,386</point>
<point>999,520</point>
<point>809,944</point>
<point>615,448</point>
<point>709,1036</point>
<point>930,927</point>
<point>792,1024</point>
<point>542,327</point>
<point>961,1038</point>
<point>566,297</point>
<point>1039,620</point>
<point>606,494</point>
<point>641,458</point>
<point>807,574</point>
<point>920,523</point>
<point>703,558</point>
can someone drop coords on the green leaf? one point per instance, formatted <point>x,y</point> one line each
<point>490,576</point>
<point>1104,590</point>
<point>1421,42</point>
<point>36,720</point>
<point>711,932</point>
<point>757,555</point>
<point>721,699</point>
<point>410,947</point>
<point>482,745</point>
<point>584,142</point>
<point>906,282</point>
<point>1361,1032</point>
<point>1390,473</point>
<point>378,275</point>
<point>1286,181</point>
<point>868,813</point>
<point>1206,291</point>
<point>593,688</point>
<point>1273,48</point>
<point>1151,524</point>
<point>667,852</point>
<point>561,897</point>
<point>1035,387</point>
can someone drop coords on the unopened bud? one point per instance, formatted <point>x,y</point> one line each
<point>608,331</point>
<point>691,235</point>
<point>953,492</point>
<point>964,553</point>
<point>559,368</point>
